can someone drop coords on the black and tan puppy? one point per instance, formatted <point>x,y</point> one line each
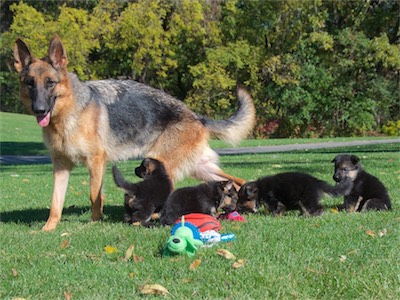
<point>368,192</point>
<point>205,198</point>
<point>144,198</point>
<point>288,191</point>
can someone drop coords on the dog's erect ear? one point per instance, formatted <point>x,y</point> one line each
<point>22,55</point>
<point>354,159</point>
<point>228,185</point>
<point>57,53</point>
<point>333,160</point>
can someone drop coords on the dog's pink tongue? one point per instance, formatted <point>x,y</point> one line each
<point>43,121</point>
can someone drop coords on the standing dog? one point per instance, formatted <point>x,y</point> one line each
<point>291,190</point>
<point>144,198</point>
<point>204,198</point>
<point>368,192</point>
<point>107,120</point>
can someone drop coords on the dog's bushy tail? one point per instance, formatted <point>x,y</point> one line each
<point>344,187</point>
<point>239,125</point>
<point>121,182</point>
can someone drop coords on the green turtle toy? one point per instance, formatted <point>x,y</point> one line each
<point>185,239</point>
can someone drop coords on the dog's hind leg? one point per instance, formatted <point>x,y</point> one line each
<point>62,169</point>
<point>96,166</point>
<point>373,204</point>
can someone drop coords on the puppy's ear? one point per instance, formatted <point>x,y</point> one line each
<point>354,159</point>
<point>228,185</point>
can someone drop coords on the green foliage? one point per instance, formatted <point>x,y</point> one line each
<point>315,68</point>
<point>392,128</point>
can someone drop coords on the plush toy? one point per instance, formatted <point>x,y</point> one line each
<point>185,239</point>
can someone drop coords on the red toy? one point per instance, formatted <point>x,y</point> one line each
<point>203,222</point>
<point>233,216</point>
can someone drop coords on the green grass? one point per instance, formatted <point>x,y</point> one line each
<point>334,256</point>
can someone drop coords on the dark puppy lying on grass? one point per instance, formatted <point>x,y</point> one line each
<point>368,192</point>
<point>144,198</point>
<point>205,198</point>
<point>291,190</point>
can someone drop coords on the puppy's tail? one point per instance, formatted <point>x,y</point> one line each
<point>344,187</point>
<point>121,182</point>
<point>239,125</point>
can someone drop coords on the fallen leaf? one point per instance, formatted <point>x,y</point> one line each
<point>342,258</point>
<point>129,252</point>
<point>153,289</point>
<point>137,259</point>
<point>67,296</point>
<point>334,210</point>
<point>65,234</point>
<point>277,166</point>
<point>371,233</point>
<point>15,273</point>
<point>64,244</point>
<point>110,249</point>
<point>131,275</point>
<point>194,265</point>
<point>225,253</point>
<point>238,264</point>
<point>382,232</point>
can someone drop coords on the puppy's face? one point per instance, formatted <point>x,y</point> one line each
<point>148,168</point>
<point>248,198</point>
<point>346,166</point>
<point>228,196</point>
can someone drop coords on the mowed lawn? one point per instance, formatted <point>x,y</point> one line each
<point>335,256</point>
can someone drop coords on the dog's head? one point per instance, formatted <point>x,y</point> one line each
<point>227,196</point>
<point>42,81</point>
<point>248,197</point>
<point>149,168</point>
<point>346,166</point>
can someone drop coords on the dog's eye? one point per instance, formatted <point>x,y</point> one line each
<point>50,83</point>
<point>30,82</point>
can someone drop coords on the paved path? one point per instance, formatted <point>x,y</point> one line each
<point>36,159</point>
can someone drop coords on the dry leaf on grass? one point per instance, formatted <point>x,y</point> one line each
<point>342,258</point>
<point>110,249</point>
<point>153,289</point>
<point>382,232</point>
<point>371,233</point>
<point>225,253</point>
<point>194,265</point>
<point>15,273</point>
<point>238,264</point>
<point>64,244</point>
<point>129,252</point>
<point>67,296</point>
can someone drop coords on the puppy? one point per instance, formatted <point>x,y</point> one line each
<point>368,192</point>
<point>144,198</point>
<point>205,198</point>
<point>292,190</point>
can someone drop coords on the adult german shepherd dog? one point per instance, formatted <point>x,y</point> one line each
<point>108,120</point>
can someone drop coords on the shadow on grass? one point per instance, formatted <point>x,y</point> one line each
<point>112,214</point>
<point>23,148</point>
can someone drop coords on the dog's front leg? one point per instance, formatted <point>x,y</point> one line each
<point>96,166</point>
<point>62,169</point>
